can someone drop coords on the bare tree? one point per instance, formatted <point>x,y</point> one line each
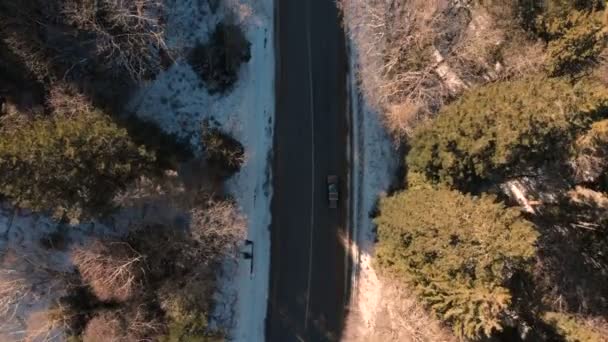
<point>218,227</point>
<point>128,34</point>
<point>114,270</point>
<point>415,55</point>
<point>397,66</point>
<point>13,289</point>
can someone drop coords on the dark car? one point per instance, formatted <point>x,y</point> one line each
<point>332,191</point>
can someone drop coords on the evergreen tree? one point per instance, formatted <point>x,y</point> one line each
<point>495,129</point>
<point>68,164</point>
<point>456,251</point>
<point>575,39</point>
<point>590,154</point>
<point>571,328</point>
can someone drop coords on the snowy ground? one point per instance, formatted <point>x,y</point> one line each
<point>374,167</point>
<point>40,264</point>
<point>178,103</point>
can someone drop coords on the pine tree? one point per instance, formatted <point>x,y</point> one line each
<point>575,40</point>
<point>68,165</point>
<point>590,153</point>
<point>456,251</point>
<point>495,129</point>
<point>572,328</point>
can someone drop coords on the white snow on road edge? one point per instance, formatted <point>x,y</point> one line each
<point>374,166</point>
<point>179,105</point>
<point>252,186</point>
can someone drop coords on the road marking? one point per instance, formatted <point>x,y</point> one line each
<point>312,131</point>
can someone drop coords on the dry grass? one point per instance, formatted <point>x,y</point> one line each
<point>114,270</point>
<point>402,117</point>
<point>399,317</point>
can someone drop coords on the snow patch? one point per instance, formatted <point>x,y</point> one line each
<point>375,162</point>
<point>178,102</point>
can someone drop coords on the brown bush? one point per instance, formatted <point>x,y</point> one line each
<point>114,270</point>
<point>402,117</point>
<point>218,227</point>
<point>135,323</point>
<point>106,326</point>
<point>63,99</point>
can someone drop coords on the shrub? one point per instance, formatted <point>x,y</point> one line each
<point>187,308</point>
<point>218,227</point>
<point>222,150</point>
<point>457,252</point>
<point>72,311</point>
<point>218,62</point>
<point>133,323</point>
<point>113,270</point>
<point>571,328</point>
<point>493,130</point>
<point>69,165</point>
<point>590,151</point>
<point>105,326</point>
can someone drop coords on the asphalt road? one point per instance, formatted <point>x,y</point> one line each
<point>309,280</point>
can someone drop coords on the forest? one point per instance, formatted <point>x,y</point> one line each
<point>112,228</point>
<point>497,225</point>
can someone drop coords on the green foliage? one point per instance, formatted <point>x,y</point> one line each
<point>68,165</point>
<point>456,251</point>
<point>595,138</point>
<point>187,319</point>
<point>170,149</point>
<point>571,329</point>
<point>561,8</point>
<point>222,150</point>
<point>574,31</point>
<point>218,62</point>
<point>575,40</point>
<point>590,153</point>
<point>494,129</point>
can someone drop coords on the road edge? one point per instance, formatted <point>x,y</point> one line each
<point>354,161</point>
